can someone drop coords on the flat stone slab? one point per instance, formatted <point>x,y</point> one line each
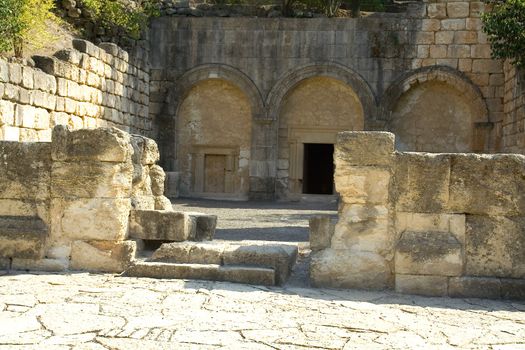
<point>279,257</point>
<point>160,225</point>
<point>175,226</point>
<point>237,274</point>
<point>22,237</point>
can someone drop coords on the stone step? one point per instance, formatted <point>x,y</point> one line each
<point>22,237</point>
<point>213,272</point>
<point>161,225</point>
<point>278,257</point>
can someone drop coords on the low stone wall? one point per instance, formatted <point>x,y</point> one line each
<point>431,224</point>
<point>85,87</point>
<point>66,204</point>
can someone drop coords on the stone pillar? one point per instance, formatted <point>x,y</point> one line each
<point>263,161</point>
<point>361,248</point>
<point>91,181</point>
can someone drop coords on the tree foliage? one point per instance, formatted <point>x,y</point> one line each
<point>129,16</point>
<point>505,27</point>
<point>24,22</point>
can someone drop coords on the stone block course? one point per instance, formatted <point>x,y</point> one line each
<point>22,237</point>
<point>436,286</point>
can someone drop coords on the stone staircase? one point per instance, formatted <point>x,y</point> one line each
<point>261,263</point>
<point>191,253</point>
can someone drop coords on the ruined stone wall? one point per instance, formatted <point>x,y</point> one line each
<point>66,204</point>
<point>513,133</point>
<point>85,87</point>
<point>432,224</point>
<point>393,63</point>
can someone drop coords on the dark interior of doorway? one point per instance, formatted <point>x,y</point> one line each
<point>318,168</point>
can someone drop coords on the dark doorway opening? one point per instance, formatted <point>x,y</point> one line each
<point>318,168</point>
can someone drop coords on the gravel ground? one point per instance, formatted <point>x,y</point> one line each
<point>285,222</point>
<point>267,221</point>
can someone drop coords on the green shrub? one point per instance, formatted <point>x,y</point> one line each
<point>24,22</point>
<point>131,17</point>
<point>505,27</point>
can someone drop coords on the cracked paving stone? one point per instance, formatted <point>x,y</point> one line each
<point>103,311</point>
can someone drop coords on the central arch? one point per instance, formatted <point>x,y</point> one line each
<point>310,106</point>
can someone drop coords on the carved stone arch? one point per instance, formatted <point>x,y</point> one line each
<point>443,74</point>
<point>331,70</point>
<point>217,71</point>
<point>436,109</point>
<point>308,107</point>
<point>181,87</point>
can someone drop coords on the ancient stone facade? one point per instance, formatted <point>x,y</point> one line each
<point>85,87</point>
<point>426,75</point>
<point>432,224</point>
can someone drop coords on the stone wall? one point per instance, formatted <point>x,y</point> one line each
<point>85,87</point>
<point>392,63</point>
<point>432,224</point>
<point>513,138</point>
<point>66,204</point>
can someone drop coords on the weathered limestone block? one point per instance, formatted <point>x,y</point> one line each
<point>90,218</point>
<point>190,253</point>
<point>249,274</point>
<point>205,225</point>
<point>25,207</point>
<point>140,202</point>
<point>238,274</point>
<point>422,285</point>
<point>363,148</point>
<point>423,222</point>
<point>86,47</point>
<point>172,184</point>
<point>157,180</point>
<point>50,265</point>
<point>513,288</point>
<point>281,258</point>
<point>495,246</point>
<point>322,229</point>
<point>364,228</point>
<point>5,264</point>
<point>421,182</point>
<point>429,253</point>
<point>474,287</point>
<point>104,256</point>
<point>363,185</point>
<point>146,151</point>
<point>488,184</point>
<point>91,179</point>
<point>163,203</point>
<point>22,237</point>
<point>349,269</point>
<point>102,144</point>
<point>161,225</point>
<point>25,170</point>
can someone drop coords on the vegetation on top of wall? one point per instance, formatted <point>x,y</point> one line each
<point>505,26</point>
<point>129,16</point>
<point>24,22</point>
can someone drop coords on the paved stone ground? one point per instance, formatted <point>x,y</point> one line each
<point>86,311</point>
